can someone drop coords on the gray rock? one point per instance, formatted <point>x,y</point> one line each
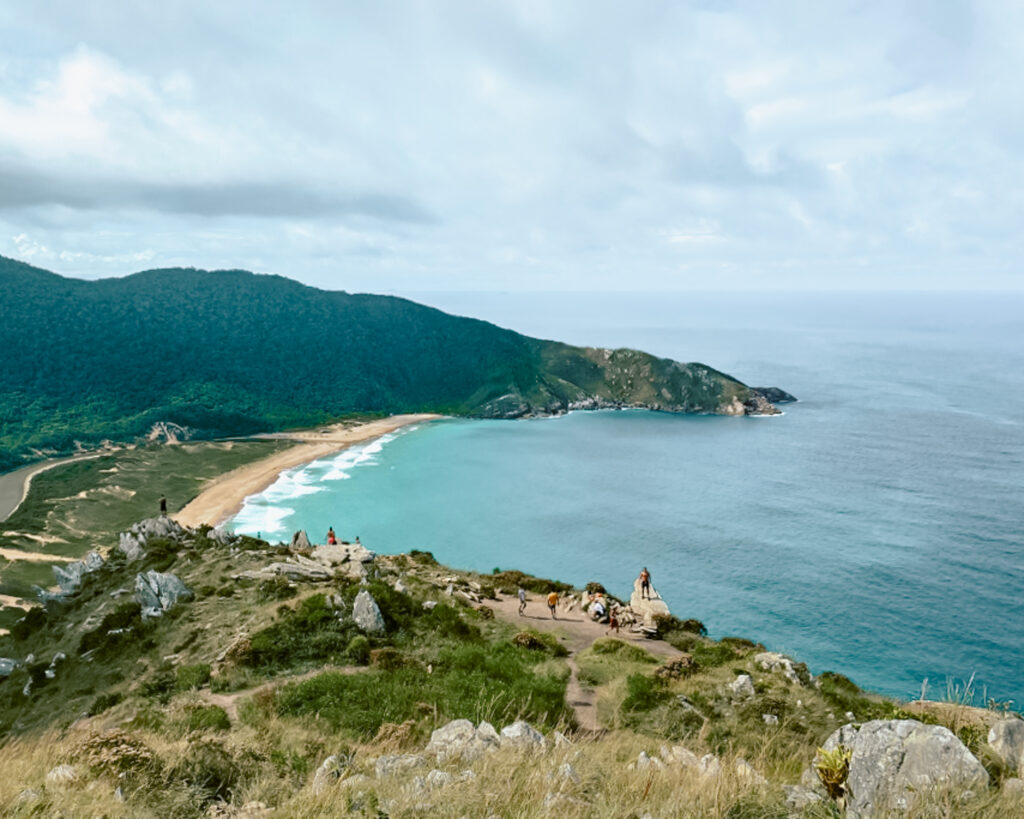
<point>61,775</point>
<point>567,773</point>
<point>69,577</point>
<point>439,779</point>
<point>798,797</point>
<point>366,613</point>
<point>157,592</point>
<point>133,542</point>
<point>51,672</point>
<point>30,795</point>
<point>1014,786</point>
<point>292,569</point>
<point>560,739</point>
<point>646,763</point>
<point>429,604</point>
<point>300,540</point>
<point>746,772</point>
<point>709,765</point>
<point>523,735</point>
<point>7,666</point>
<point>460,740</point>
<point>773,661</point>
<point>770,719</point>
<point>893,760</point>
<point>742,687</point>
<point>390,765</point>
<point>222,536</point>
<point>1006,739</point>
<point>327,774</point>
<point>680,756</point>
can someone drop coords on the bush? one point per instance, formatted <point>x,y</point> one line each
<point>423,558</point>
<point>121,628</point>
<point>33,621</point>
<point>644,693</point>
<point>540,641</point>
<point>276,588</point>
<point>207,718</point>
<point>104,702</point>
<point>539,585</point>
<point>596,588</point>
<point>388,659</point>
<point>622,650</point>
<point>712,655</point>
<point>359,650</point>
<point>208,766</point>
<point>192,676</point>
<point>118,754</point>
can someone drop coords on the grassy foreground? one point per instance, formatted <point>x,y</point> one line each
<point>229,703</point>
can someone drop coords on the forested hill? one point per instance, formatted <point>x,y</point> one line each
<point>232,352</point>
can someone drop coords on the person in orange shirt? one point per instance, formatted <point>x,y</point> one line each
<point>332,539</point>
<point>552,603</point>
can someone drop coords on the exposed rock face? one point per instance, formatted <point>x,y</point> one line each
<point>523,735</point>
<point>69,577</point>
<point>298,568</point>
<point>1006,738</point>
<point>773,661</point>
<point>300,540</point>
<point>157,592</point>
<point>774,395</point>
<point>390,765</point>
<point>895,759</point>
<point>366,613</point>
<point>7,666</point>
<point>460,740</point>
<point>327,774</point>
<point>60,775</point>
<point>325,563</point>
<point>647,609</point>
<point>742,687</point>
<point>133,542</point>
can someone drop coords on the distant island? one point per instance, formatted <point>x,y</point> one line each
<point>201,354</point>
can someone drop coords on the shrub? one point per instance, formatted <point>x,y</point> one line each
<point>118,629</point>
<point>208,766</point>
<point>712,655</point>
<point>275,588</point>
<point>540,641</point>
<point>388,659</point>
<point>192,676</point>
<point>33,621</point>
<point>445,621</point>
<point>423,558</point>
<point>596,588</point>
<point>644,693</point>
<point>207,718</point>
<point>622,650</point>
<point>359,650</point>
<point>539,585</point>
<point>117,753</point>
<point>104,702</point>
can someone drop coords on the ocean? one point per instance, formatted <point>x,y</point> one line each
<point>874,529</point>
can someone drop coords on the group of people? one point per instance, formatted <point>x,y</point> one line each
<point>600,610</point>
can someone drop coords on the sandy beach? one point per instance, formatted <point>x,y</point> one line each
<point>224,495</point>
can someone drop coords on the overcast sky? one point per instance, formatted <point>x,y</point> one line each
<point>400,147</point>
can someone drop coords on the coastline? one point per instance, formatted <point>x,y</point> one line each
<point>224,495</point>
<point>15,485</point>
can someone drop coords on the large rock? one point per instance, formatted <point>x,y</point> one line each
<point>390,765</point>
<point>7,666</point>
<point>366,613</point>
<point>69,577</point>
<point>157,592</point>
<point>61,775</point>
<point>1006,739</point>
<point>742,687</point>
<point>133,542</point>
<point>647,609</point>
<point>521,734</point>
<point>327,774</point>
<point>299,568</point>
<point>300,540</point>
<point>780,663</point>
<point>893,760</point>
<point>460,740</point>
<point>348,559</point>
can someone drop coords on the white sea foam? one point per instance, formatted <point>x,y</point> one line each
<point>261,519</point>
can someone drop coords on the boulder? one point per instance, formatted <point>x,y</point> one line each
<point>709,765</point>
<point>522,735</point>
<point>438,779</point>
<point>61,775</point>
<point>773,661</point>
<point>1013,786</point>
<point>222,536</point>
<point>647,609</point>
<point>133,542</point>
<point>770,719</point>
<point>7,666</point>
<point>292,569</point>
<point>157,592</point>
<point>679,756</point>
<point>893,760</point>
<point>69,577</point>
<point>646,763</point>
<point>348,559</point>
<point>746,772</point>
<point>327,774</point>
<point>799,797</point>
<point>742,687</point>
<point>1006,738</point>
<point>567,773</point>
<point>460,740</point>
<point>366,613</point>
<point>390,765</point>
<point>300,540</point>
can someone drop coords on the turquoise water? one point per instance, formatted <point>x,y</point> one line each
<point>874,529</point>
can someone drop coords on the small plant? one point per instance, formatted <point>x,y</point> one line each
<point>192,676</point>
<point>208,718</point>
<point>358,650</point>
<point>833,768</point>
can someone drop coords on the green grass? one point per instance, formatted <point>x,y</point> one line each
<point>493,682</point>
<point>609,659</point>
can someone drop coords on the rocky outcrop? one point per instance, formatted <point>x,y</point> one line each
<point>774,395</point>
<point>7,666</point>
<point>69,577</point>
<point>894,760</point>
<point>366,613</point>
<point>742,688</point>
<point>157,592</point>
<point>349,560</point>
<point>648,609</point>
<point>300,540</point>
<point>1006,739</point>
<point>772,661</point>
<point>521,734</point>
<point>133,542</point>
<point>460,740</point>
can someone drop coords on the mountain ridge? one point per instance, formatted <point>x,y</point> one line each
<point>232,352</point>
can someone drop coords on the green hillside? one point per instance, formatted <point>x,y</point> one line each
<point>230,352</point>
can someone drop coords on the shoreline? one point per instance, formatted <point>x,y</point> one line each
<point>224,496</point>
<point>12,496</point>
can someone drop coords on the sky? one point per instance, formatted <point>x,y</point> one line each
<point>519,146</point>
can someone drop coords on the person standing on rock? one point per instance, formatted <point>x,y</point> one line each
<point>163,506</point>
<point>645,584</point>
<point>332,539</point>
<point>553,603</point>
<point>522,600</point>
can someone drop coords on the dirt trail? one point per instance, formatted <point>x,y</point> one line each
<point>579,632</point>
<point>229,702</point>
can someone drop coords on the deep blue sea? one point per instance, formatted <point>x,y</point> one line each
<point>876,529</point>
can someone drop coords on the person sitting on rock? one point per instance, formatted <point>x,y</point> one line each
<point>553,603</point>
<point>645,584</point>
<point>332,539</point>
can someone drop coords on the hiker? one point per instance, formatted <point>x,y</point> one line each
<point>645,584</point>
<point>613,622</point>
<point>552,603</point>
<point>597,610</point>
<point>332,539</point>
<point>522,600</point>
<point>163,506</point>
